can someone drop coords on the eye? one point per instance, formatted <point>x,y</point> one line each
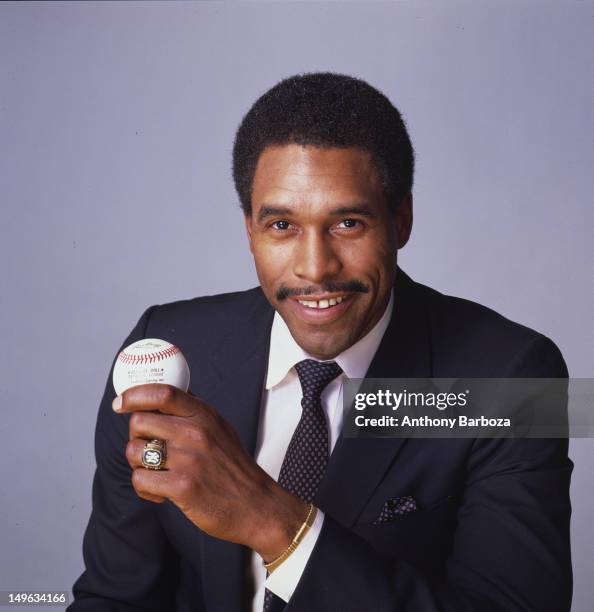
<point>349,223</point>
<point>280,225</point>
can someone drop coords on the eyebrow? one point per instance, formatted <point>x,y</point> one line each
<point>354,209</point>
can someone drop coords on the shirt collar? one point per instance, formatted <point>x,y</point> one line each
<point>285,352</point>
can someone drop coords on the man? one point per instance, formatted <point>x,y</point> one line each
<point>257,471</point>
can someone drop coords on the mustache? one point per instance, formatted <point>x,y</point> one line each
<point>353,286</point>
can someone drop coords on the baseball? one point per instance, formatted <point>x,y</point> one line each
<point>150,361</point>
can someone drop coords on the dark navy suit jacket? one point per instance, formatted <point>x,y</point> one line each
<point>491,528</point>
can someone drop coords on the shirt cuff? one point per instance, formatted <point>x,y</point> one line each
<point>284,579</point>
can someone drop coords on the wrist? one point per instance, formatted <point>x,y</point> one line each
<point>299,537</point>
<point>279,522</point>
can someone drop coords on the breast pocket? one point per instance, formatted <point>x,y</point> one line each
<point>422,536</point>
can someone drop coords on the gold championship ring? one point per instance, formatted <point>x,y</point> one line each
<point>154,455</point>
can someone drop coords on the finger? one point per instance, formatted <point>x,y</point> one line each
<point>150,425</point>
<point>153,498</point>
<point>158,483</point>
<point>157,397</point>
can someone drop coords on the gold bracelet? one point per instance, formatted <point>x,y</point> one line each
<point>309,521</point>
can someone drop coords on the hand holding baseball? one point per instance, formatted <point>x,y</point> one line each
<point>209,475</point>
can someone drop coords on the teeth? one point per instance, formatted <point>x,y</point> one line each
<point>322,303</point>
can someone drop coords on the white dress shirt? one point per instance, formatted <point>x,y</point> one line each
<point>280,413</point>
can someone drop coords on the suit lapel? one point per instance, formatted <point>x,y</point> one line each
<point>357,465</point>
<point>236,393</point>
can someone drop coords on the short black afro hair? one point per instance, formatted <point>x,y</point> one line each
<point>325,109</point>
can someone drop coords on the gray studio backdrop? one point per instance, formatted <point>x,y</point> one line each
<point>116,126</point>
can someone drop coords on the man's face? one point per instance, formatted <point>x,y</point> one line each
<point>324,242</point>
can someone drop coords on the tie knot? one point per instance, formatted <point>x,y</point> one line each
<point>315,376</point>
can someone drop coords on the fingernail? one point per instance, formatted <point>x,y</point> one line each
<point>117,403</point>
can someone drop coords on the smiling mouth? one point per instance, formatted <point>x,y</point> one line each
<point>323,303</point>
<point>323,310</point>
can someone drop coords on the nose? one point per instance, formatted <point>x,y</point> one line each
<point>315,259</point>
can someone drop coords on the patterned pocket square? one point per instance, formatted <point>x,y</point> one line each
<point>396,507</point>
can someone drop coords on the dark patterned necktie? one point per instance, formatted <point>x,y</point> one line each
<point>307,455</point>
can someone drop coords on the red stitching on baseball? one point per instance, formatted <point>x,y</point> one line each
<point>129,359</point>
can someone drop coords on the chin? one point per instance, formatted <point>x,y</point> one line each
<point>323,348</point>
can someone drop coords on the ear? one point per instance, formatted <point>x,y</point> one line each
<point>404,220</point>
<point>247,217</point>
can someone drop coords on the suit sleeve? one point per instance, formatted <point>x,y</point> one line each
<point>510,548</point>
<point>129,563</point>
